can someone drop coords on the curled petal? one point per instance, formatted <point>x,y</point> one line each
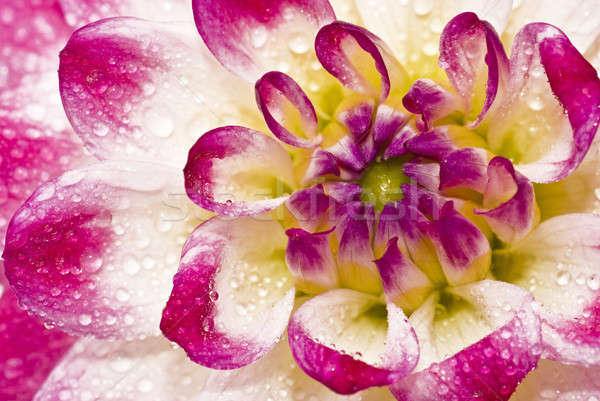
<point>236,171</point>
<point>288,112</point>
<point>129,93</point>
<point>558,263</point>
<point>550,77</point>
<point>397,147</point>
<point>349,154</point>
<point>310,259</point>
<point>463,250</point>
<point>356,114</point>
<point>343,192</point>
<point>403,283</point>
<point>309,207</point>
<point>441,141</point>
<point>424,172</point>
<point>498,345</point>
<point>26,360</point>
<point>512,211</point>
<point>355,57</point>
<point>388,122</point>
<point>216,311</point>
<point>241,35</point>
<point>430,100</point>
<point>464,45</point>
<point>90,251</point>
<point>344,339</point>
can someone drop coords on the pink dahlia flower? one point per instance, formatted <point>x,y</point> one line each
<point>403,210</point>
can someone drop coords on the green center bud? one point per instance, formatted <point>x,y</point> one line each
<point>381,182</point>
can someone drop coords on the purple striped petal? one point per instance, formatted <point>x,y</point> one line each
<point>397,146</point>
<point>287,110</point>
<point>321,163</point>
<point>424,172</point>
<point>221,311</point>
<point>309,207</point>
<point>335,342</point>
<point>349,153</point>
<point>463,250</point>
<point>388,122</point>
<point>514,213</point>
<point>465,44</point>
<point>243,34</point>
<point>464,169</point>
<point>343,192</point>
<point>92,251</point>
<point>429,100</point>
<point>555,81</point>
<point>356,114</point>
<point>403,283</point>
<point>236,171</point>
<point>341,47</point>
<point>310,259</point>
<point>491,368</point>
<point>435,144</point>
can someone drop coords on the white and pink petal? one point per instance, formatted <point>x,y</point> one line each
<point>92,251</point>
<point>233,293</point>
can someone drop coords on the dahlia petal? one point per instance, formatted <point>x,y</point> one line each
<point>343,192</point>
<point>251,38</point>
<point>128,89</point>
<point>355,256</point>
<point>464,169</point>
<point>465,44</point>
<point>441,141</point>
<point>513,219</point>
<point>403,283</point>
<point>387,123</point>
<point>355,57</point>
<point>232,295</point>
<point>321,163</point>
<point>578,20</point>
<point>397,147</point>
<point>311,261</point>
<point>287,110</point>
<point>82,12</point>
<point>555,81</point>
<point>341,338</point>
<point>356,114</point>
<point>412,29</point>
<point>236,171</point>
<point>28,350</point>
<point>424,172</point>
<point>485,358</point>
<point>92,251</point>
<point>348,153</point>
<point>463,250</point>
<point>309,207</point>
<point>430,100</point>
<point>558,264</point>
<point>563,382</point>
<point>152,370</point>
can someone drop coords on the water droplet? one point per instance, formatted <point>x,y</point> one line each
<point>100,129</point>
<point>593,282</point>
<point>299,43</point>
<point>160,125</point>
<point>536,103</point>
<point>145,386</point>
<point>258,37</point>
<point>563,278</point>
<point>422,7</point>
<point>85,319</point>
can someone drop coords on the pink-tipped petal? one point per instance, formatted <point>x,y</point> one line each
<point>403,283</point>
<point>558,264</point>
<point>309,207</point>
<point>321,163</point>
<point>287,110</point>
<point>236,171</point>
<point>92,252</point>
<point>430,100</point>
<point>221,310</point>
<point>550,77</point>
<point>387,123</point>
<point>28,350</point>
<point>82,12</point>
<point>464,169</point>
<point>349,154</point>
<point>397,146</point>
<point>343,339</point>
<point>310,259</point>
<point>463,250</point>
<point>345,49</point>
<point>356,115</point>
<point>251,37</point>
<point>435,144</point>
<point>498,351</point>
<point>343,192</point>
<point>141,90</point>
<point>424,172</point>
<point>516,213</point>
<point>466,43</point>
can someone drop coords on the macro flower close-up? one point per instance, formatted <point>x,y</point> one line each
<point>300,200</point>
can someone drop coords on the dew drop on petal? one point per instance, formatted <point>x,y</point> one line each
<point>422,7</point>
